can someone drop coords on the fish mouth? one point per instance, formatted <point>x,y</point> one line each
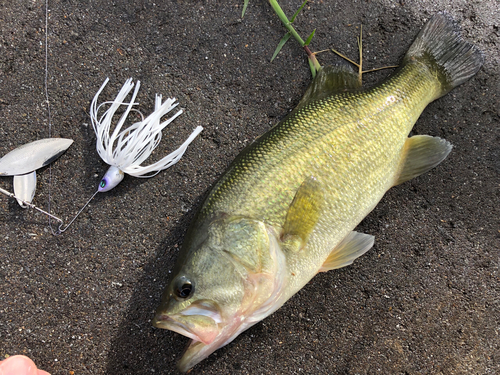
<point>194,353</point>
<point>205,334</point>
<point>200,322</point>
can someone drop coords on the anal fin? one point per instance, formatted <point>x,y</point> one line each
<point>351,247</point>
<point>421,153</point>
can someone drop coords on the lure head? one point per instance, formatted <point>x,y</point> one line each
<point>112,178</point>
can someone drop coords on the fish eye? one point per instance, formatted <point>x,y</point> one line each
<point>103,183</point>
<point>184,288</point>
<point>184,291</point>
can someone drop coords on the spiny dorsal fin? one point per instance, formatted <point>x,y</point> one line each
<point>421,153</point>
<point>330,80</point>
<point>351,247</point>
<point>304,211</point>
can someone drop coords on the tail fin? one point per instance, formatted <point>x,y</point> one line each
<point>440,46</point>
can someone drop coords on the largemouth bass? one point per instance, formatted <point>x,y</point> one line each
<point>287,206</point>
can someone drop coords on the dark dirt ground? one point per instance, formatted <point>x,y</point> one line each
<point>425,299</point>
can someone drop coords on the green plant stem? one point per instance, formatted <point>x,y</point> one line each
<point>313,62</point>
<point>283,18</point>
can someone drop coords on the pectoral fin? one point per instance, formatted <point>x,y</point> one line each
<point>421,153</point>
<point>303,214</point>
<point>351,247</point>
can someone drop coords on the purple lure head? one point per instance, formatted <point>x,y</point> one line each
<point>112,178</point>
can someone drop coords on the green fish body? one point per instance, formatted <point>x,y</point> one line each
<point>287,206</point>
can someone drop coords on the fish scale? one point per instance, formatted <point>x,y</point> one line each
<point>262,182</point>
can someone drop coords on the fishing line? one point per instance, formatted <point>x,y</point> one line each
<point>48,105</point>
<point>47,69</point>
<point>59,230</point>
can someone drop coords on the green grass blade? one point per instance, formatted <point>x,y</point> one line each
<point>312,67</point>
<point>298,11</point>
<point>309,38</point>
<point>245,4</point>
<point>281,44</point>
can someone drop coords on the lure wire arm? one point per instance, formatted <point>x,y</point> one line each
<point>60,230</point>
<point>30,205</point>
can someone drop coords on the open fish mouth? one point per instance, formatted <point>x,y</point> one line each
<point>199,322</point>
<point>167,322</point>
<point>203,323</point>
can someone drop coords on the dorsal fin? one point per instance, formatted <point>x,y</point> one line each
<point>330,80</point>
